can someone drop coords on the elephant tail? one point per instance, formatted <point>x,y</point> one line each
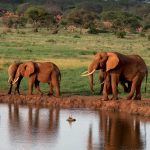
<point>146,80</point>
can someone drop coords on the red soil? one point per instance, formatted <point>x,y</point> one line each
<point>93,102</point>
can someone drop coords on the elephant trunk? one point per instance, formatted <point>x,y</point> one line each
<point>90,77</point>
<point>10,79</point>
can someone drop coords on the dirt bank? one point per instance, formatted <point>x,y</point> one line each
<point>94,102</point>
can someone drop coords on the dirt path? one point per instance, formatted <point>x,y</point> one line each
<point>93,102</point>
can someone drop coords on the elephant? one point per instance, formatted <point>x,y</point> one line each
<point>46,72</point>
<point>119,67</point>
<point>12,69</point>
<point>102,75</point>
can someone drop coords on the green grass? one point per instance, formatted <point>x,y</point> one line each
<point>71,54</point>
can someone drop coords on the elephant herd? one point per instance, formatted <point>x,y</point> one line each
<point>115,68</point>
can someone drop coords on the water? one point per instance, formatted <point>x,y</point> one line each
<point>27,128</point>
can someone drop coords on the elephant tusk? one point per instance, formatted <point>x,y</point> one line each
<point>15,80</point>
<point>9,80</point>
<point>88,73</point>
<point>84,72</point>
<point>102,82</point>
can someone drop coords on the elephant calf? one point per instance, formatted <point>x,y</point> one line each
<point>46,72</point>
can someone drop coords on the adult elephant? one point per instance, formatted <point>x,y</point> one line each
<point>102,76</point>
<point>12,69</point>
<point>46,72</point>
<point>119,67</point>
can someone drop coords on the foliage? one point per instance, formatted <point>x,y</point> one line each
<point>22,8</point>
<point>148,37</point>
<point>81,17</point>
<point>93,30</point>
<point>14,21</point>
<point>146,22</point>
<point>90,6</point>
<point>121,20</point>
<point>39,16</point>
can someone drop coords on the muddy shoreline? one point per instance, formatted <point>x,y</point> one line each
<point>141,108</point>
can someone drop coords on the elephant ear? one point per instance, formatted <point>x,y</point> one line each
<point>112,61</point>
<point>29,69</point>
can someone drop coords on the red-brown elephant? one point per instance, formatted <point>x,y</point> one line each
<point>46,72</point>
<point>119,67</point>
<point>12,69</point>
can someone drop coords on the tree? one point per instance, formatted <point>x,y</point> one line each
<point>121,20</point>
<point>39,17</point>
<point>81,18</point>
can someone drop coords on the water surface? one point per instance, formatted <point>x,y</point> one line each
<point>47,129</point>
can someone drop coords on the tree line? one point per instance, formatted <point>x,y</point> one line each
<point>119,16</point>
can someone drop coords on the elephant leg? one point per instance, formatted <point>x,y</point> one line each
<point>138,92</point>
<point>30,85</point>
<point>18,85</point>
<point>37,87</point>
<point>138,88</point>
<point>114,85</point>
<point>10,89</point>
<point>125,88</point>
<point>102,86</point>
<point>105,91</point>
<point>133,87</point>
<point>55,83</point>
<point>51,89</point>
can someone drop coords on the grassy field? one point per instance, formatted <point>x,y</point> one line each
<point>72,52</point>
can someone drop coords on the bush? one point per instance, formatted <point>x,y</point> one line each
<point>80,17</point>
<point>120,34</point>
<point>63,22</point>
<point>93,30</point>
<point>121,20</point>
<point>39,16</point>
<point>14,21</point>
<point>148,37</point>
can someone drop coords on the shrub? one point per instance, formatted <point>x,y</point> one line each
<point>63,22</point>
<point>39,16</point>
<point>14,21</point>
<point>120,34</point>
<point>93,30</point>
<point>121,20</point>
<point>148,37</point>
<point>81,18</point>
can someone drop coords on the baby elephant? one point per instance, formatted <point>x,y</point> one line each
<point>46,72</point>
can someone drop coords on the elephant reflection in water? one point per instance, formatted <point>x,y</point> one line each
<point>14,118</point>
<point>120,131</point>
<point>51,125</point>
<point>90,139</point>
<point>24,126</point>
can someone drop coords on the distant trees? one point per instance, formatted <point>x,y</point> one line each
<point>81,18</point>
<point>121,20</point>
<point>95,15</point>
<point>38,16</point>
